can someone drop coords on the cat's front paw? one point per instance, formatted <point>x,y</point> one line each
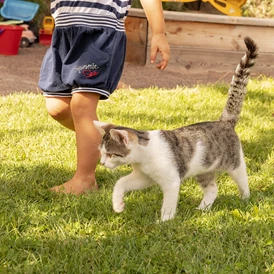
<point>245,195</point>
<point>119,206</point>
<point>204,206</point>
<point>167,217</point>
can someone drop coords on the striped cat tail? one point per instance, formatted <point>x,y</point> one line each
<point>239,82</point>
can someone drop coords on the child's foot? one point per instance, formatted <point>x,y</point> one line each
<point>75,187</point>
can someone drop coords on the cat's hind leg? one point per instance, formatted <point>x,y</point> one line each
<point>239,175</point>
<point>134,181</point>
<point>210,190</point>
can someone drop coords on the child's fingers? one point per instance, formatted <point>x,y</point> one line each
<point>164,55</point>
<point>153,54</point>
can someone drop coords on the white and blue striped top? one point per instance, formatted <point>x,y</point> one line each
<point>91,13</point>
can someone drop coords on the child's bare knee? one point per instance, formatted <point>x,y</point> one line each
<point>59,109</point>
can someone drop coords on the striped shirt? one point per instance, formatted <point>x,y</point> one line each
<point>91,13</point>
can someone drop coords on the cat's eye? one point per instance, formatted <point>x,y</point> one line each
<point>113,154</point>
<point>118,155</point>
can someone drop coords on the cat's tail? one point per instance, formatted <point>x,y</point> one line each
<point>238,84</point>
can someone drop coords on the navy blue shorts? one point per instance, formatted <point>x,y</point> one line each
<point>83,59</point>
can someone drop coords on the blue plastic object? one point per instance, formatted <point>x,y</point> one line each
<point>19,10</point>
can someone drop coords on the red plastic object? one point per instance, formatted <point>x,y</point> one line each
<point>10,38</point>
<point>44,38</point>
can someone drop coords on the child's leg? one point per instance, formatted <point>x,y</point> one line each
<point>78,114</point>
<point>59,109</point>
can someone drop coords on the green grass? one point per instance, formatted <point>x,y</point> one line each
<point>41,232</point>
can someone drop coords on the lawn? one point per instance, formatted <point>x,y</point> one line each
<point>42,232</point>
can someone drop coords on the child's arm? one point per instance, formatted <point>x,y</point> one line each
<point>154,13</point>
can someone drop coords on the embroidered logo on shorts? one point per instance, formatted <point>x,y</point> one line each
<point>88,71</point>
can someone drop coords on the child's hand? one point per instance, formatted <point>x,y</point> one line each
<point>159,44</point>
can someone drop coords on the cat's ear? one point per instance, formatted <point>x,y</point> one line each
<point>121,136</point>
<point>99,126</point>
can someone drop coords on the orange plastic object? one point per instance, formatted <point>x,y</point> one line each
<point>48,24</point>
<point>228,7</point>
<point>45,34</point>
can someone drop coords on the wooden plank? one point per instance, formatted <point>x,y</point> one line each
<point>217,36</point>
<point>136,13</point>
<point>202,43</point>
<point>136,31</point>
<point>215,31</point>
<point>136,54</point>
<point>208,18</point>
<point>191,61</point>
<point>215,18</point>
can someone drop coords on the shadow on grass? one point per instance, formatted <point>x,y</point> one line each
<point>26,179</point>
<point>84,235</point>
<point>259,149</point>
<point>33,184</point>
<point>23,187</point>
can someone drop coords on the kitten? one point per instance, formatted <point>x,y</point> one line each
<point>165,157</point>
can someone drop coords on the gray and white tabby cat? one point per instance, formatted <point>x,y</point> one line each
<point>165,157</point>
